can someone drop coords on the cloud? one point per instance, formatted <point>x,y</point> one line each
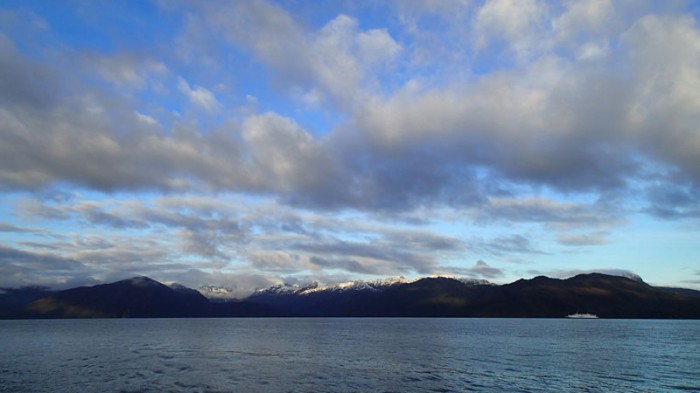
<point>19,268</point>
<point>505,245</point>
<point>480,269</point>
<point>240,284</point>
<point>5,227</point>
<point>535,143</point>
<point>586,239</point>
<point>23,84</point>
<point>666,56</point>
<point>350,265</point>
<point>548,211</point>
<point>229,234</point>
<point>363,138</point>
<point>567,126</point>
<point>284,157</point>
<point>129,71</point>
<point>338,60</point>
<point>518,23</point>
<point>198,95</point>
<point>583,20</point>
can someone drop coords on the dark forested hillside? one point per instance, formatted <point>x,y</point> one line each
<point>541,297</point>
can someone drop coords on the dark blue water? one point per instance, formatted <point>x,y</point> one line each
<point>349,355</point>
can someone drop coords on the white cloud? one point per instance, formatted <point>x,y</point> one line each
<point>129,70</point>
<point>376,46</point>
<point>593,50</point>
<point>507,112</point>
<point>520,23</point>
<point>283,156</point>
<point>480,269</point>
<point>583,18</point>
<point>665,104</point>
<point>145,119</point>
<point>339,60</point>
<point>199,95</point>
<point>585,239</point>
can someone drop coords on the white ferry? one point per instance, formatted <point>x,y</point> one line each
<point>582,316</point>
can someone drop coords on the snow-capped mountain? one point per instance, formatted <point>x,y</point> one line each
<point>216,293</point>
<point>288,289</point>
<point>220,293</point>
<point>316,287</point>
<point>606,296</point>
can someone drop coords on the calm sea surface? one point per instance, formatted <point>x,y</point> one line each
<point>349,355</point>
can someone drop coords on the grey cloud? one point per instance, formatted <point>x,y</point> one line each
<point>666,82</point>
<point>480,269</point>
<point>23,84</point>
<point>357,249</point>
<point>278,261</point>
<point>268,237</point>
<point>386,251</point>
<point>105,254</point>
<point>674,201</point>
<point>317,235</point>
<point>90,212</point>
<point>41,245</point>
<point>520,25</point>
<point>572,127</point>
<point>518,146</point>
<point>77,144</point>
<point>89,257</point>
<point>98,215</point>
<point>425,240</point>
<point>485,270</point>
<point>549,211</point>
<point>84,138</point>
<point>5,227</point>
<point>275,238</point>
<point>215,234</point>
<point>285,158</point>
<point>350,265</point>
<point>199,232</point>
<point>694,280</point>
<point>209,243</point>
<point>19,267</point>
<point>37,208</point>
<point>335,60</point>
<point>585,239</point>
<point>11,256</point>
<point>506,245</point>
<point>385,257</point>
<point>127,70</point>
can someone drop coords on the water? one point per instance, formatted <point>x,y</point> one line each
<point>349,355</point>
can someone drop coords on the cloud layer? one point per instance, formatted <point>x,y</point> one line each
<point>568,117</point>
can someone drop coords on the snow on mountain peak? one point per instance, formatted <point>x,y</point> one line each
<point>222,293</point>
<point>217,293</point>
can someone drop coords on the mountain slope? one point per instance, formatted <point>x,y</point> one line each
<point>540,297</point>
<point>14,300</point>
<point>603,295</point>
<point>136,297</point>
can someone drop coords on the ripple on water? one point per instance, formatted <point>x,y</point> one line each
<point>402,355</point>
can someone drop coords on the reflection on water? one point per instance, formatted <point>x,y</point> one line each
<point>349,355</point>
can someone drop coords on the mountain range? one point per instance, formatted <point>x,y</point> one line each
<point>541,297</point>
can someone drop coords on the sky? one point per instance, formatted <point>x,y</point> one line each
<point>253,143</point>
